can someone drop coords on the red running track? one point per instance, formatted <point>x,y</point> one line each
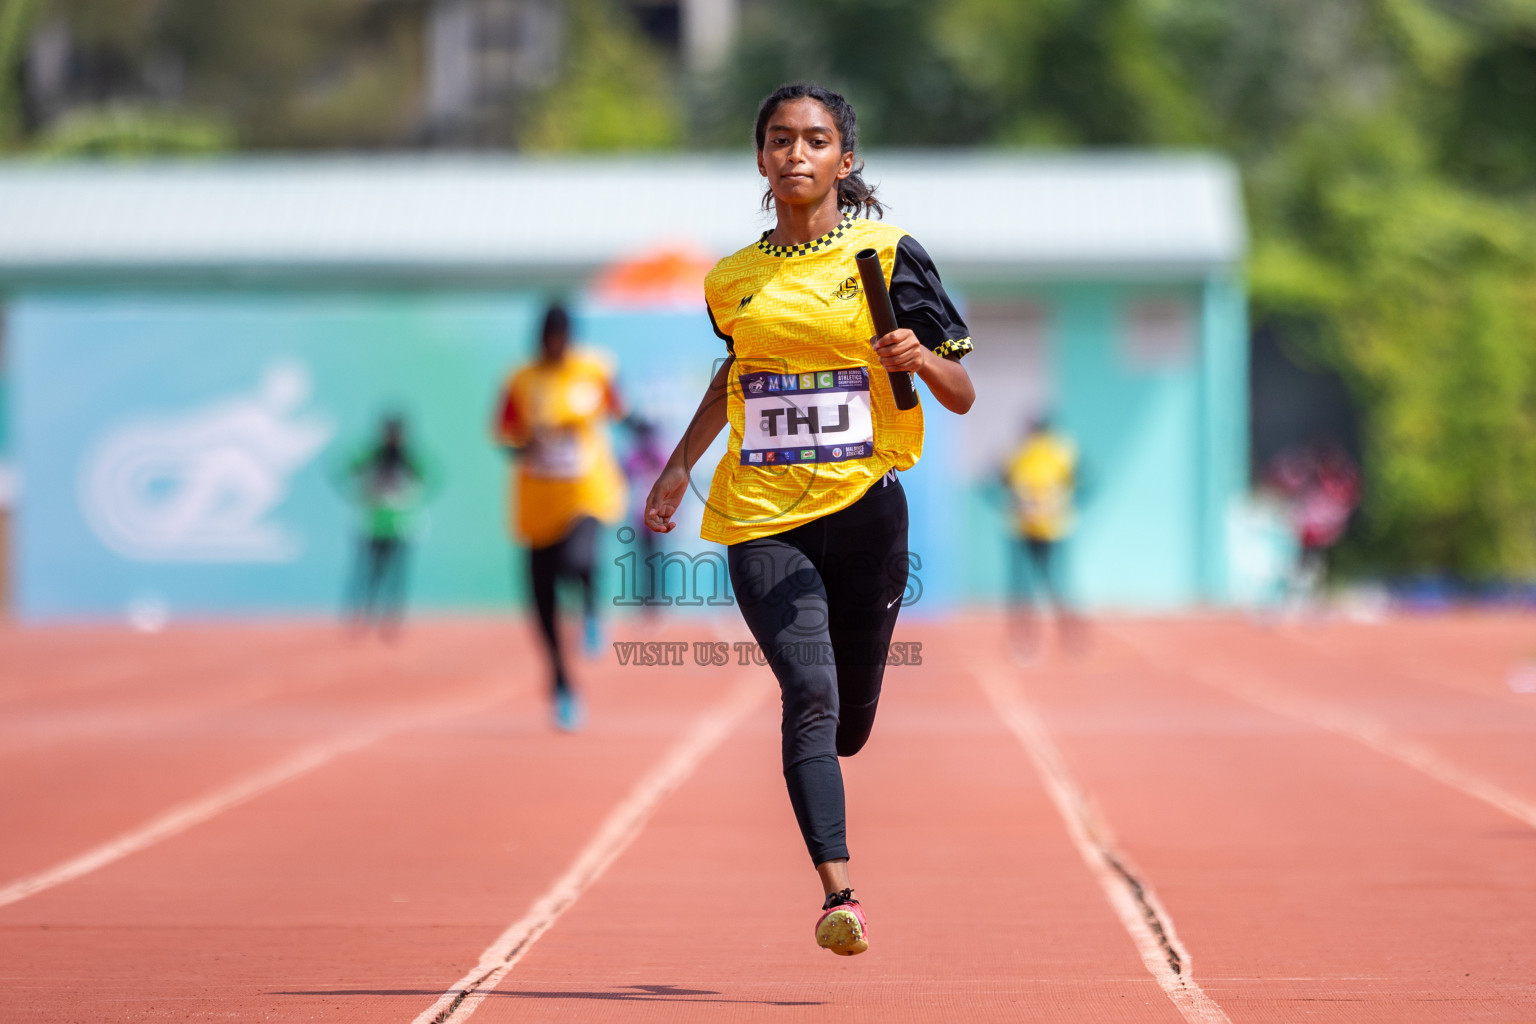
<point>1191,820</point>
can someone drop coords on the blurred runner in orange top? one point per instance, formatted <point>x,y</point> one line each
<point>554,420</point>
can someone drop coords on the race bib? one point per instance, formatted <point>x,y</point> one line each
<point>555,454</point>
<point>806,417</point>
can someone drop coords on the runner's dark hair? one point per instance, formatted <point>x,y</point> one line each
<point>391,456</point>
<point>556,321</point>
<point>853,192</point>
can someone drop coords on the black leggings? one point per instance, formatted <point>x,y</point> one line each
<point>571,556</point>
<point>378,583</point>
<point>1034,569</point>
<point>822,601</point>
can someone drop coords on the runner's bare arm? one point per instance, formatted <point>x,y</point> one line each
<point>618,409</point>
<point>667,493</point>
<point>946,378</point>
<point>507,428</point>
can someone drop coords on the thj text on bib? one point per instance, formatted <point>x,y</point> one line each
<point>822,416</point>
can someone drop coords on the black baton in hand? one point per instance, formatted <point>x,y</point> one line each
<point>880,310</point>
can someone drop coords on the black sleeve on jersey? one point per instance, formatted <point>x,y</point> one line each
<point>922,305</point>
<point>730,346</point>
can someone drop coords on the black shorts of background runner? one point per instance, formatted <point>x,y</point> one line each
<point>571,557</point>
<point>831,585</point>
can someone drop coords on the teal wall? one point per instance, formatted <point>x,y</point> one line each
<point>5,418</point>
<point>1225,428</point>
<point>1163,444</point>
<point>5,394</point>
<point>1137,537</point>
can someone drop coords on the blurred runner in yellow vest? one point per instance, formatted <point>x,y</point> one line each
<point>554,416</point>
<point>1041,476</point>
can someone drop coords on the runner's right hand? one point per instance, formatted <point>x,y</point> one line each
<point>666,494</point>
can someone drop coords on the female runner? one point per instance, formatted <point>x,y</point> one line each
<point>807,496</point>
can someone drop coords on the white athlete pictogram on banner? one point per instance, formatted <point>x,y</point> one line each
<point>200,486</point>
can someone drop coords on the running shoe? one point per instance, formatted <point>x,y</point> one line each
<point>568,713</point>
<point>842,927</point>
<point>592,637</point>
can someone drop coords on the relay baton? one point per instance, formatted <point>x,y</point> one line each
<point>880,310</point>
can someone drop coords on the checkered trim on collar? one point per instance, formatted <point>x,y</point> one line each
<point>826,241</point>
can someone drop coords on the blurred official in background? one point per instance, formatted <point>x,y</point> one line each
<point>389,485</point>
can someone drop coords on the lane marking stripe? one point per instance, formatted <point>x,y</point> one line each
<point>1141,914</point>
<point>613,836</point>
<point>184,816</point>
<point>1371,733</point>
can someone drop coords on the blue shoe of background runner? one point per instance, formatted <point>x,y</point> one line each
<point>592,638</point>
<point>568,713</point>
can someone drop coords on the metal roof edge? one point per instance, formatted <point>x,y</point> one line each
<point>1108,159</point>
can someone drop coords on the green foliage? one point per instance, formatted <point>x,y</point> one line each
<point>1491,131</point>
<point>879,52</point>
<point>272,74</point>
<point>1059,72</point>
<point>320,74</point>
<point>1391,249</point>
<point>121,131</point>
<point>299,73</point>
<point>1424,296</point>
<point>615,92</point>
<point>16,18</point>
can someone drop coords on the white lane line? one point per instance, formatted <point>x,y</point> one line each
<point>1507,695</point>
<point>194,812</point>
<point>617,831</point>
<point>1134,902</point>
<point>1362,729</point>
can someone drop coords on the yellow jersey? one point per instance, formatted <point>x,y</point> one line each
<point>812,419</point>
<point>557,414</point>
<point>1042,474</point>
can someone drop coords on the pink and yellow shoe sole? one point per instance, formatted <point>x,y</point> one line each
<point>843,931</point>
